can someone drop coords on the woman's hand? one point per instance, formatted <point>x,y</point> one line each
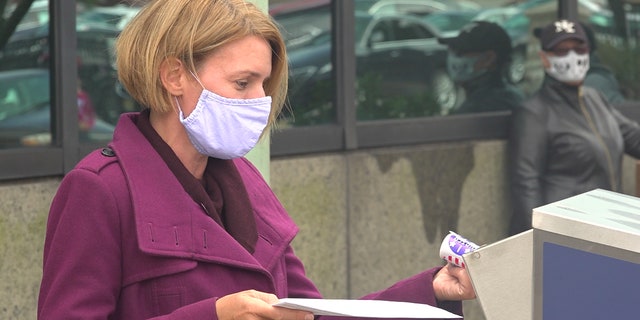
<point>452,283</point>
<point>255,305</point>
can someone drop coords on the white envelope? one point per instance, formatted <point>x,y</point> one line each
<point>366,308</point>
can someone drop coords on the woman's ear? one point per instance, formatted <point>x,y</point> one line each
<point>172,75</point>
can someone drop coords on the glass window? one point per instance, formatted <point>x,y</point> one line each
<point>101,99</point>
<point>402,69</point>
<point>411,78</point>
<point>614,58</point>
<point>306,26</point>
<point>401,66</point>
<point>25,97</point>
<point>398,71</point>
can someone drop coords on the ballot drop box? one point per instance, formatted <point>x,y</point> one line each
<point>581,260</point>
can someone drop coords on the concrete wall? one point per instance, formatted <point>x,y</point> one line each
<point>367,218</point>
<point>23,214</point>
<point>370,218</point>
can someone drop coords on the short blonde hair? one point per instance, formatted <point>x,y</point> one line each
<point>190,30</point>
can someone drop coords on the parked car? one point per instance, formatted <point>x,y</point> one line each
<point>305,21</point>
<point>590,5</point>
<point>414,7</point>
<point>29,48</point>
<point>398,58</point>
<point>302,22</point>
<point>25,110</point>
<point>450,21</point>
<point>116,16</point>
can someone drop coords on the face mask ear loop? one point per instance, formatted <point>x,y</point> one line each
<point>178,109</point>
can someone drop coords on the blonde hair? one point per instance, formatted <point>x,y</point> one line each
<point>190,30</point>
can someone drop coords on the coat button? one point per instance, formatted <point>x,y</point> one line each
<point>108,152</point>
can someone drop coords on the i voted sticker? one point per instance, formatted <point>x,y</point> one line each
<point>454,246</point>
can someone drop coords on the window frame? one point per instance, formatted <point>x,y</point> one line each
<point>344,135</point>
<point>58,157</point>
<point>349,134</point>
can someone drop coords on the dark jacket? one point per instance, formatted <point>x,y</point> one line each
<point>125,241</point>
<point>490,93</point>
<point>564,141</point>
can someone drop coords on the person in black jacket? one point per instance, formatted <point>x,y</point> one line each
<point>566,139</point>
<point>477,60</point>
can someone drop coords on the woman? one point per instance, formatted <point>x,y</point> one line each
<point>566,139</point>
<point>170,221</point>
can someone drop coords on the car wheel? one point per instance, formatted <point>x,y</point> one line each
<point>445,92</point>
<point>517,67</point>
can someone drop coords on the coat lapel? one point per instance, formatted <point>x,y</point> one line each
<point>169,223</point>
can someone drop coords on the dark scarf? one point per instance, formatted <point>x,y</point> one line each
<point>570,94</point>
<point>221,193</point>
<point>492,79</point>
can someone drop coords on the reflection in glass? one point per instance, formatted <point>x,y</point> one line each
<point>97,29</point>
<point>401,69</point>
<point>24,75</point>
<point>24,107</point>
<point>614,66</point>
<point>306,27</point>
<point>25,64</point>
<point>417,82</point>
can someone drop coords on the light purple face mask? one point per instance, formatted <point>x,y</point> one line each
<point>226,128</point>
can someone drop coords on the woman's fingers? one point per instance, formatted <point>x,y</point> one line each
<point>256,305</point>
<point>452,283</point>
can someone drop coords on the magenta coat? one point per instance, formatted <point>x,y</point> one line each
<point>125,241</point>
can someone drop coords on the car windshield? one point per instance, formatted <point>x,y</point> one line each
<point>22,90</point>
<point>305,27</point>
<point>108,18</point>
<point>364,5</point>
<point>449,21</point>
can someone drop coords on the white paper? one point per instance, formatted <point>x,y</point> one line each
<point>366,308</point>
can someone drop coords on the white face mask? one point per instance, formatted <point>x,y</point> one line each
<point>570,68</point>
<point>226,128</point>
